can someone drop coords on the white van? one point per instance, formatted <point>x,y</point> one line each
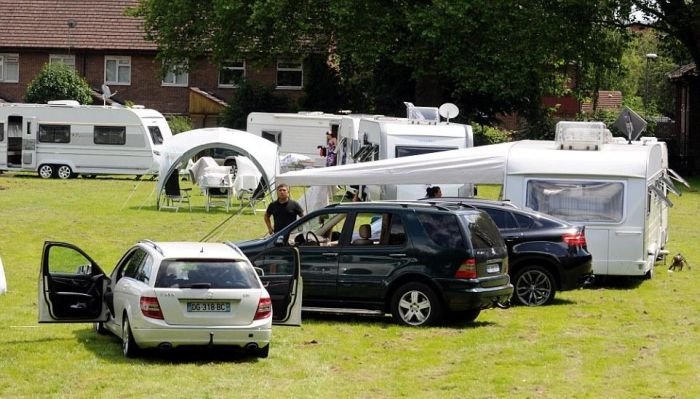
<point>63,139</point>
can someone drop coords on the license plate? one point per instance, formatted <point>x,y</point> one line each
<point>208,307</point>
<point>495,268</point>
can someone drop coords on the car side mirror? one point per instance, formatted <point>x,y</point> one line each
<point>279,241</point>
<point>259,271</point>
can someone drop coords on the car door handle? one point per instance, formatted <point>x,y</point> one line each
<point>397,255</point>
<point>330,254</point>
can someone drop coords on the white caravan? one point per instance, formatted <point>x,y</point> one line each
<point>295,133</point>
<point>617,189</point>
<point>63,139</point>
<point>381,137</point>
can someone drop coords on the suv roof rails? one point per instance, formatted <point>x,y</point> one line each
<point>154,245</point>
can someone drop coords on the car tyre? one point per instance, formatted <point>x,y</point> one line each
<point>64,172</point>
<point>129,346</point>
<point>46,171</point>
<point>533,286</point>
<point>263,352</point>
<point>416,304</point>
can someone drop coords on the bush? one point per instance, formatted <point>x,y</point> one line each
<point>58,82</point>
<point>179,124</point>
<point>484,135</point>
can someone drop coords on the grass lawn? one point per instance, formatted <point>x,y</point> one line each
<point>635,339</point>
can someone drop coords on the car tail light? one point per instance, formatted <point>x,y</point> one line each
<point>467,269</point>
<point>577,239</point>
<point>150,307</point>
<point>264,308</point>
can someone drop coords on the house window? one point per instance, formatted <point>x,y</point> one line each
<point>231,73</point>
<point>176,76</point>
<point>112,135</point>
<point>9,68</point>
<point>118,70</point>
<point>290,75</point>
<point>54,133</point>
<point>65,59</point>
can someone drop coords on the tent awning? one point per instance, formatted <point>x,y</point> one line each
<point>478,165</point>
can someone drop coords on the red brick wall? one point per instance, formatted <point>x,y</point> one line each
<point>145,88</point>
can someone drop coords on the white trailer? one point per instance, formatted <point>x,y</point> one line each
<point>617,189</point>
<point>295,133</point>
<point>63,139</point>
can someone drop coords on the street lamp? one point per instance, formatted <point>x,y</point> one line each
<point>650,57</point>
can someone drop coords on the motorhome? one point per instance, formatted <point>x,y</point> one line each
<point>616,187</point>
<point>63,139</point>
<point>295,133</point>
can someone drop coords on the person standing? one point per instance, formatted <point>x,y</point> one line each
<point>283,211</point>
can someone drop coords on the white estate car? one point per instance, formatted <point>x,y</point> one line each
<point>169,294</point>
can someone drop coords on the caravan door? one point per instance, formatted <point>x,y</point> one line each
<point>29,134</point>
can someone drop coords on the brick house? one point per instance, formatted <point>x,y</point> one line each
<point>107,47</point>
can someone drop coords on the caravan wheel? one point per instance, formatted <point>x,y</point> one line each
<point>64,172</point>
<point>45,171</point>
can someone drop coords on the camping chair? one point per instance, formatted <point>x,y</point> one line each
<point>246,189</point>
<point>174,195</point>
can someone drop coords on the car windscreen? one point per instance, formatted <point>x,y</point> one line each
<point>206,273</point>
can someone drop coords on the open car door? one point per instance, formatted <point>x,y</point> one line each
<point>280,271</point>
<point>71,286</point>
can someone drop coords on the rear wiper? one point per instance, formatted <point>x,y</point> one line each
<point>199,285</point>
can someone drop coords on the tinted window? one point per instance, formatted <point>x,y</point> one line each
<point>503,219</point>
<point>442,229</point>
<point>212,272</point>
<point>133,263</point>
<point>156,135</point>
<point>54,133</point>
<point>483,231</point>
<point>378,229</point>
<point>113,135</point>
<point>325,228</point>
<point>403,151</point>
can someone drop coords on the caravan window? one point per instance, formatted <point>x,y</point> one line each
<point>156,135</point>
<point>403,151</point>
<point>578,201</point>
<point>2,132</point>
<point>54,133</point>
<point>274,136</point>
<point>113,135</point>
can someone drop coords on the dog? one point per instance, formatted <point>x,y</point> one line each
<point>678,263</point>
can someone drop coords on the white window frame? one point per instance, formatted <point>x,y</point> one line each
<point>65,59</point>
<point>5,61</point>
<point>283,66</point>
<point>120,61</point>
<point>224,66</point>
<point>171,77</point>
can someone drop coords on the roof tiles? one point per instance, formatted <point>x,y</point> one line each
<point>97,25</point>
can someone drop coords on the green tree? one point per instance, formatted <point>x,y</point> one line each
<point>487,56</point>
<point>58,82</point>
<point>252,96</point>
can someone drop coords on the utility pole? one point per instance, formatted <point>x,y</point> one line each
<point>650,57</point>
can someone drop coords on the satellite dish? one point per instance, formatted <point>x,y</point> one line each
<point>448,111</point>
<point>106,94</point>
<point>630,123</point>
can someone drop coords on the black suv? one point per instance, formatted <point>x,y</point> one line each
<point>417,261</point>
<point>545,254</point>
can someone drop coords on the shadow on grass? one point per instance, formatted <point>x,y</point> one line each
<point>615,283</point>
<point>109,347</point>
<point>384,321</point>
